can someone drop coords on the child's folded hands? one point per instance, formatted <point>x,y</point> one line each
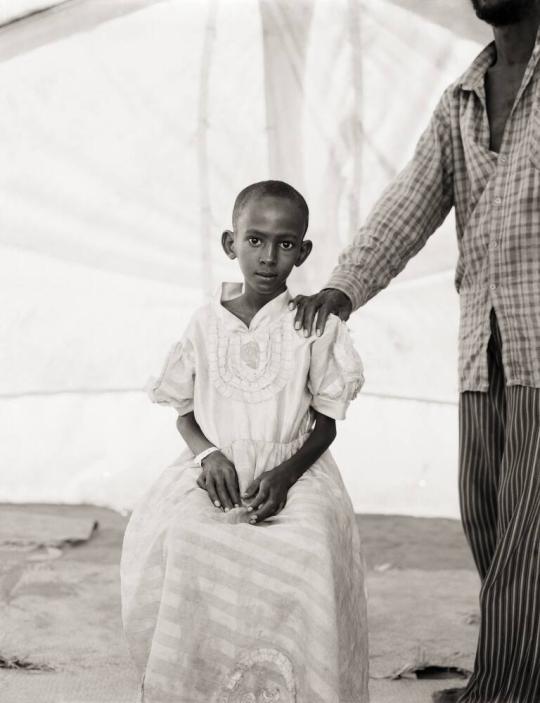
<point>266,495</point>
<point>219,478</point>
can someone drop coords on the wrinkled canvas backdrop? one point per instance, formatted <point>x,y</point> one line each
<point>126,133</point>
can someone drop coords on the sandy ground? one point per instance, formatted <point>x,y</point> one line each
<point>62,610</point>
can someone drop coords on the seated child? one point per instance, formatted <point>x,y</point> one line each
<point>242,578</point>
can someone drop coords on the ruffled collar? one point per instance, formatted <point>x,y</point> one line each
<point>268,313</point>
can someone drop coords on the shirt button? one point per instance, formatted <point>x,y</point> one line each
<point>493,245</point>
<point>502,159</point>
<point>493,286</point>
<point>497,201</point>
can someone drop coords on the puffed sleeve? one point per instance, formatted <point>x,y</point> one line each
<point>336,372</point>
<point>175,384</point>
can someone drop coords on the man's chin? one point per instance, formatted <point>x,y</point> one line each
<point>502,13</point>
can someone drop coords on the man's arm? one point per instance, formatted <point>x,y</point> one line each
<point>411,208</point>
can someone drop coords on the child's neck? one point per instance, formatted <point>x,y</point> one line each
<point>248,304</point>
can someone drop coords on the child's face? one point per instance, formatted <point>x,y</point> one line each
<point>268,242</point>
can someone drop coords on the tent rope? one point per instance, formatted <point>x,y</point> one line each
<point>119,391</point>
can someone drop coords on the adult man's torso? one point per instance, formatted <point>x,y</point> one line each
<point>502,85</point>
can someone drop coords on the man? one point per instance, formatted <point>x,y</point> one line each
<point>481,155</point>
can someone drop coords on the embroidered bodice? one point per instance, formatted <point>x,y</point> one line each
<point>262,382</point>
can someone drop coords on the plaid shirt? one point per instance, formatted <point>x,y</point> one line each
<point>497,204</point>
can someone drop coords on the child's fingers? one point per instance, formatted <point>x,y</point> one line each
<point>223,494</point>
<point>233,488</point>
<point>212,493</point>
<point>269,508</point>
<point>252,489</point>
<point>201,481</point>
<point>256,497</point>
<point>258,500</point>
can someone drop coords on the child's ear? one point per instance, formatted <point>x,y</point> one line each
<point>227,242</point>
<point>305,251</point>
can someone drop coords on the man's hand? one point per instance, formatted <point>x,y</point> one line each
<point>316,308</point>
<point>266,496</point>
<point>219,478</point>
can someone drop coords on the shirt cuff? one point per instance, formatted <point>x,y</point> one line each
<point>351,286</point>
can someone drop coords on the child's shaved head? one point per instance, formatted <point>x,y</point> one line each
<point>274,189</point>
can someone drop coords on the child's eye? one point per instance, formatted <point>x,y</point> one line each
<point>287,245</point>
<point>254,241</point>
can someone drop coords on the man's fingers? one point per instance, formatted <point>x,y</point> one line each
<point>318,307</point>
<point>310,309</point>
<point>345,309</point>
<point>322,317</point>
<point>231,481</point>
<point>212,493</point>
<point>293,304</point>
<point>299,303</point>
<point>223,494</point>
<point>344,314</point>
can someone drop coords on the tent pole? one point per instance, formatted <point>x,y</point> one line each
<point>32,30</point>
<point>286,29</point>
<point>357,130</point>
<point>205,230</point>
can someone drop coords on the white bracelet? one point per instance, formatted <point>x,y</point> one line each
<point>202,456</point>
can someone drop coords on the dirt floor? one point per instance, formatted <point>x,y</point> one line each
<point>61,639</point>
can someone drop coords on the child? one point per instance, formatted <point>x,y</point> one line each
<point>242,577</point>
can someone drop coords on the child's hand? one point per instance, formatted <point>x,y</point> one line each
<point>219,478</point>
<point>266,496</point>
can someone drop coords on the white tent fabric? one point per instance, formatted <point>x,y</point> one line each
<point>127,138</point>
<point>10,11</point>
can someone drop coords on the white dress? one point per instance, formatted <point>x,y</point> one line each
<point>217,610</point>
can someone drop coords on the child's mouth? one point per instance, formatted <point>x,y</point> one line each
<point>267,276</point>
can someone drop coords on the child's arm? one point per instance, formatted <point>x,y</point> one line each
<point>267,494</point>
<point>218,476</point>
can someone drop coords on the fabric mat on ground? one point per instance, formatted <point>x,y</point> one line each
<point>64,613</point>
<point>23,528</point>
<point>422,619</point>
<point>103,685</point>
<point>107,686</point>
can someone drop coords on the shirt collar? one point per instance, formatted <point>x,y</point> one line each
<point>268,313</point>
<point>473,78</point>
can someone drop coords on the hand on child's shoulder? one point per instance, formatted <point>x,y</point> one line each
<point>333,323</point>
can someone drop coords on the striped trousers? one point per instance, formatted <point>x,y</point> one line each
<point>500,507</point>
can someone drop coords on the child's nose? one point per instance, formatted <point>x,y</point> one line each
<point>268,254</point>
